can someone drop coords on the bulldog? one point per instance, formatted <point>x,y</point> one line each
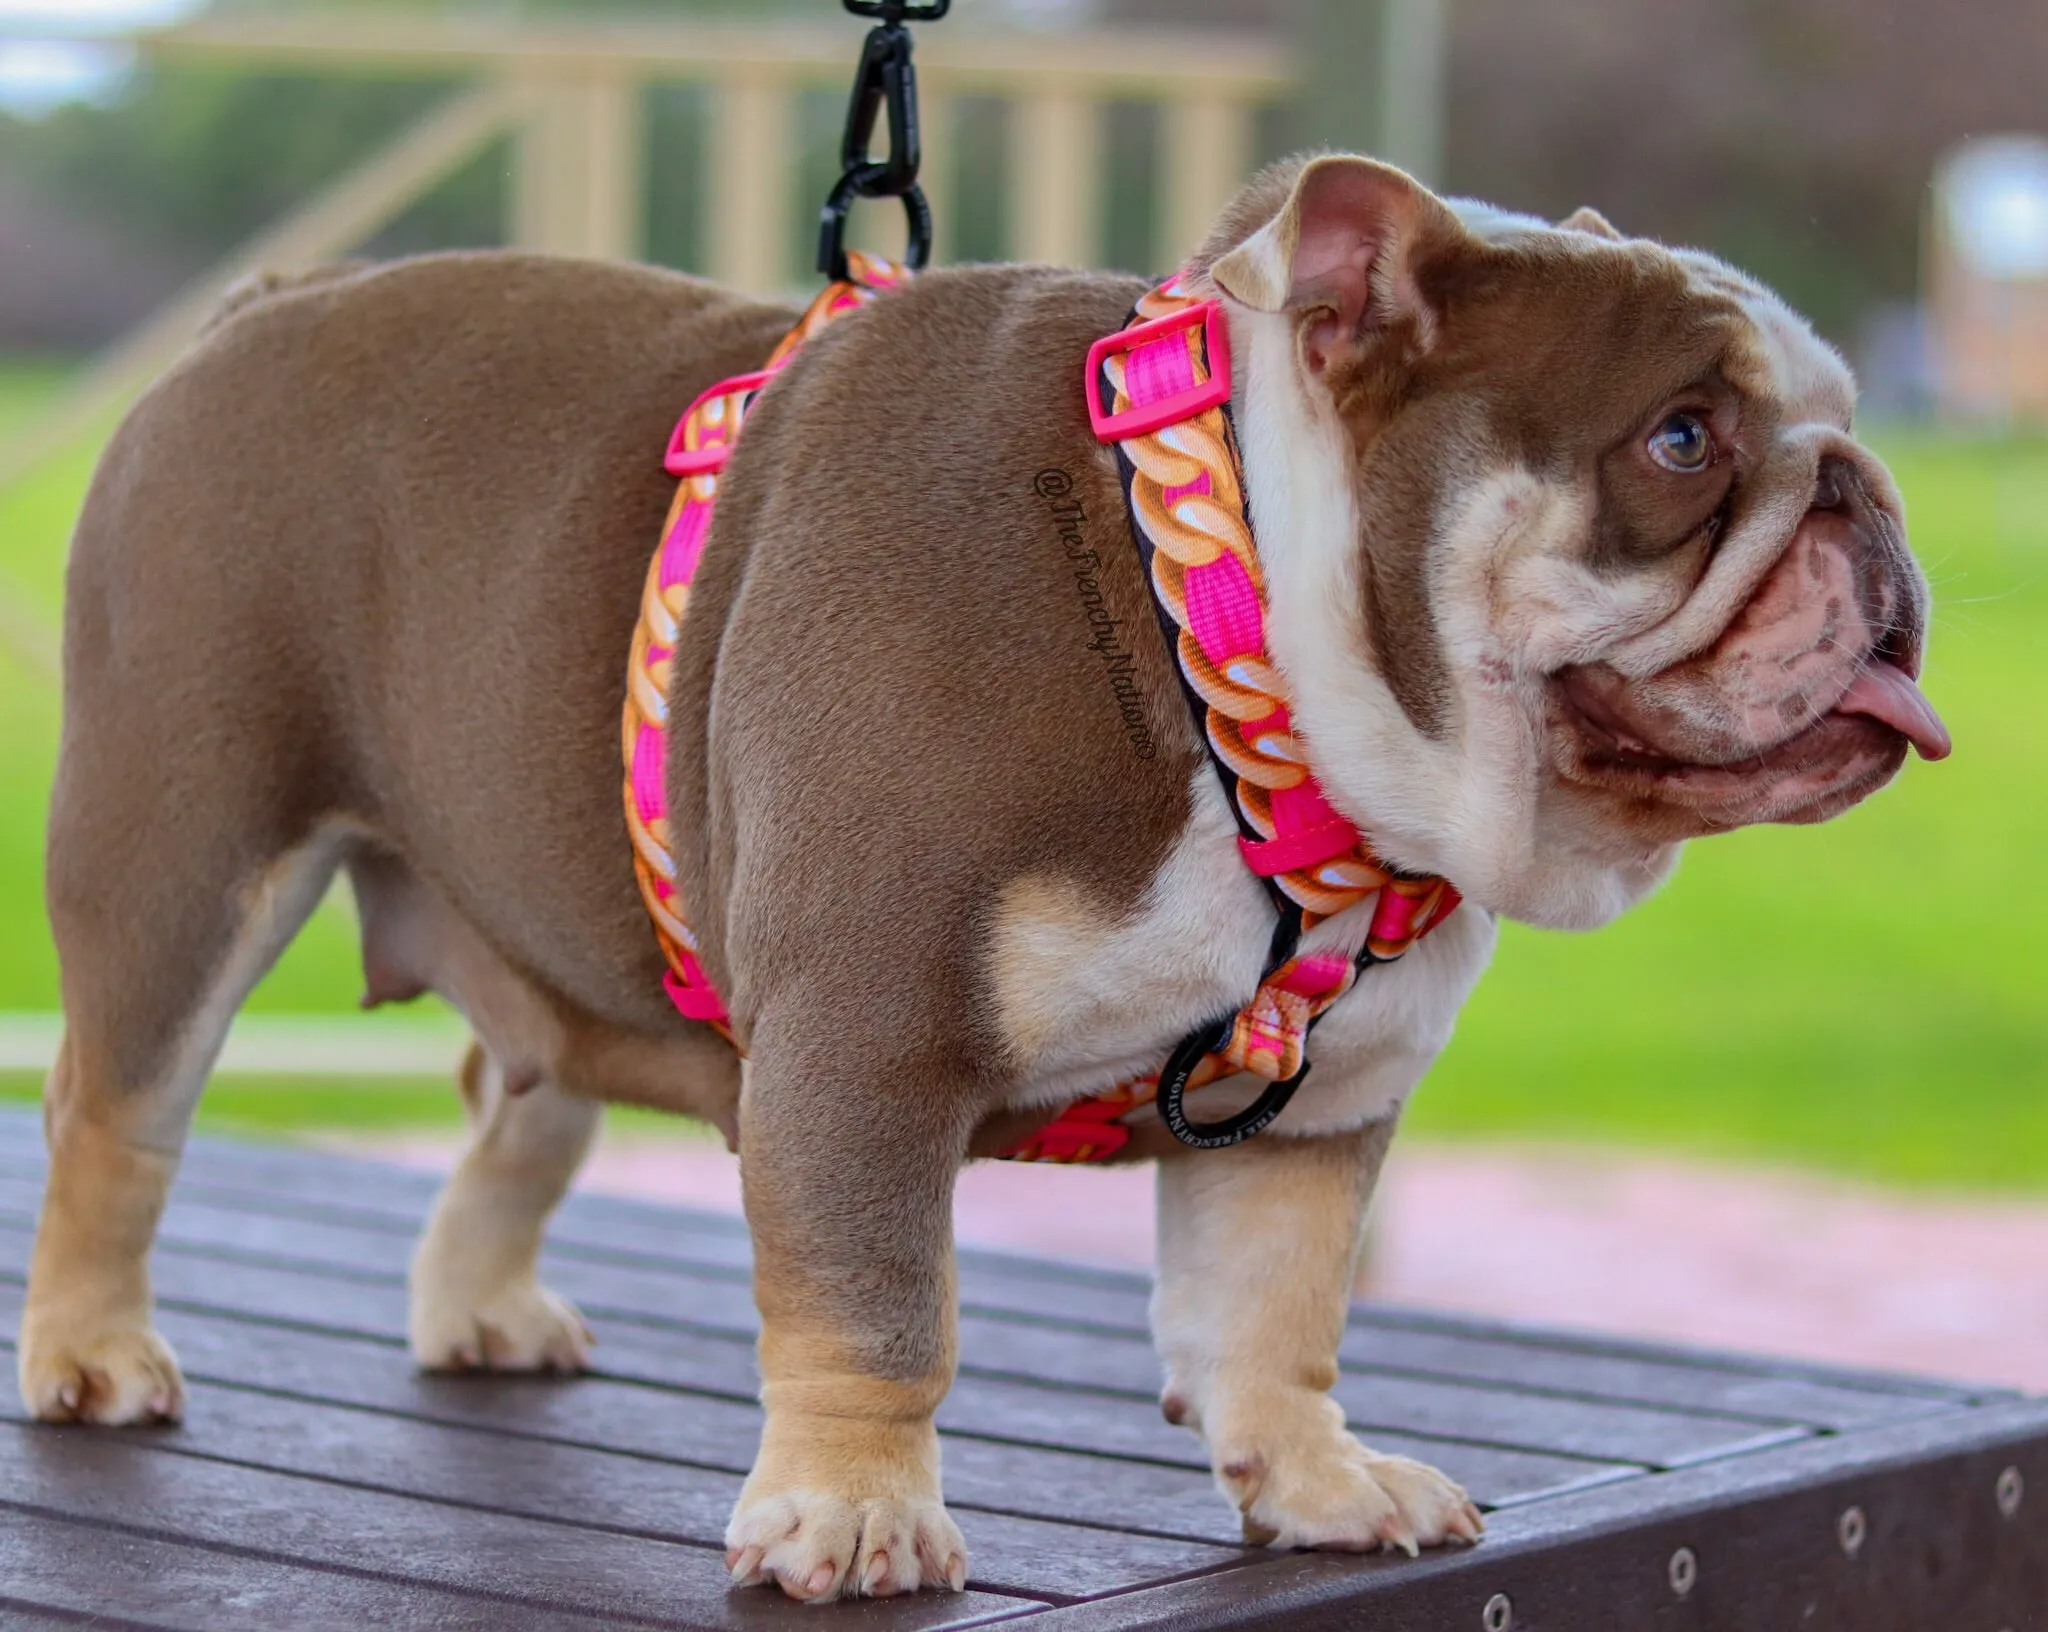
<point>1570,555</point>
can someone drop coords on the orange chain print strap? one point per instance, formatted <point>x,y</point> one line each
<point>1188,508</point>
<point>703,439</point>
<point>1163,385</point>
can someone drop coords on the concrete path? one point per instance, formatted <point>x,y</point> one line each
<point>1720,1256</point>
<point>285,1045</point>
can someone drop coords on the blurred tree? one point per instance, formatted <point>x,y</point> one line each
<point>199,159</point>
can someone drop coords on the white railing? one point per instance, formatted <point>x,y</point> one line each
<point>579,176</point>
<point>571,97</point>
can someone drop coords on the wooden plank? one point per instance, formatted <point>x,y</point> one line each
<point>646,1237</point>
<point>77,1573</point>
<point>606,1490</point>
<point>672,1425</point>
<point>1006,1445</point>
<point>643,1291</point>
<point>1089,1360</point>
<point>1758,1396</point>
<point>1382,1402</point>
<point>1763,1530</point>
<point>1103,1362</point>
<point>285,1179</point>
<point>273,1045</point>
<point>284,1183</point>
<point>1377,1316</point>
<point>112,1480</point>
<point>1095,1362</point>
<point>670,1431</point>
<point>1055,1417</point>
<point>938,167</point>
<point>609,1227</point>
<point>1054,160</point>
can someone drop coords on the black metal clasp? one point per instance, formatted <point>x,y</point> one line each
<point>885,79</point>
<point>901,11</point>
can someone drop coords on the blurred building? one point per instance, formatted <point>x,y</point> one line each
<point>1987,282</point>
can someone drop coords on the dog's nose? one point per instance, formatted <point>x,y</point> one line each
<point>1828,486</point>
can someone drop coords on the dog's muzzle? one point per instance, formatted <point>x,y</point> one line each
<point>1806,702</point>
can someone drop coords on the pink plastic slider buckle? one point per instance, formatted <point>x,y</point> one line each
<point>1175,405</point>
<point>682,461</point>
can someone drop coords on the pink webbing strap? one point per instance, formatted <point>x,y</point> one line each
<point>1225,611</point>
<point>1308,847</point>
<point>697,450</point>
<point>1159,371</point>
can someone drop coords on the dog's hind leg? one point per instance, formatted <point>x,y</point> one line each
<point>158,953</point>
<point>477,1301</point>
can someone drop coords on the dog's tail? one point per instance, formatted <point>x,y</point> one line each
<point>253,288</point>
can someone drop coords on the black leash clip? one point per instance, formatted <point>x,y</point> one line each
<point>885,78</point>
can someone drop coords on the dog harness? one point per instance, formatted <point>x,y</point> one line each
<point>1158,391</point>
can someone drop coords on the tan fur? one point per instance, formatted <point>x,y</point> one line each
<point>87,1352</point>
<point>1042,928</point>
<point>1258,1247</point>
<point>352,590</point>
<point>477,1300</point>
<point>1586,219</point>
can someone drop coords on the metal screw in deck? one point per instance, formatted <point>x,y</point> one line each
<point>2011,1490</point>
<point>1499,1613</point>
<point>1684,1571</point>
<point>1850,1529</point>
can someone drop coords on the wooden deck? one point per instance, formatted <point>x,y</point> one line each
<point>319,1482</point>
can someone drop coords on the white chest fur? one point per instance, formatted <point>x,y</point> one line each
<point>1087,1001</point>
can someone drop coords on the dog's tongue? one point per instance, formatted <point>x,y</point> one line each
<point>1886,692</point>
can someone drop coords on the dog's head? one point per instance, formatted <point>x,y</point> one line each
<point>1571,552</point>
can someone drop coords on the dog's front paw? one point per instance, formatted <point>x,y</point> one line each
<point>113,1377</point>
<point>1317,1486</point>
<point>817,1546</point>
<point>519,1327</point>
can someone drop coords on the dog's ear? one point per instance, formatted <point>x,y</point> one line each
<point>1341,251</point>
<point>1590,221</point>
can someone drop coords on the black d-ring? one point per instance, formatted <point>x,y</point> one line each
<point>901,11</point>
<point>832,221</point>
<point>1232,1130</point>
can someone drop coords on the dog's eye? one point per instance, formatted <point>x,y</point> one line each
<point>1683,443</point>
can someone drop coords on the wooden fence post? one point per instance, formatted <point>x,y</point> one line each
<point>1207,157</point>
<point>752,156</point>
<point>1374,80</point>
<point>1055,164</point>
<point>579,167</point>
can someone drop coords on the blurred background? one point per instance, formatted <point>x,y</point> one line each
<point>1832,1041</point>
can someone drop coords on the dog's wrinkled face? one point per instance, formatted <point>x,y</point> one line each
<point>1573,556</point>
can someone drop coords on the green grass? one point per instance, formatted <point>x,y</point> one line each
<point>1869,997</point>
<point>36,514</point>
<point>280,1107</point>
